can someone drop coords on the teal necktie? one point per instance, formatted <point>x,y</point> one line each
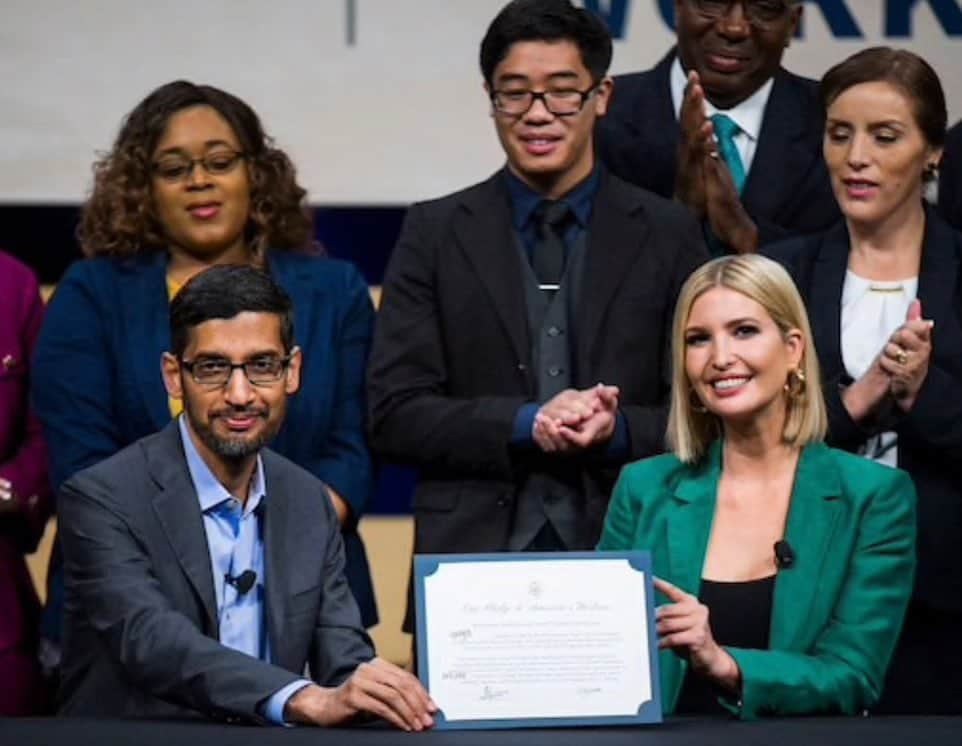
<point>725,131</point>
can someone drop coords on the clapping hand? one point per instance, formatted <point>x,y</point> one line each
<point>695,145</point>
<point>905,357</point>
<point>703,181</point>
<point>683,627</point>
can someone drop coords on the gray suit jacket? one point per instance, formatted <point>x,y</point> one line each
<point>141,629</point>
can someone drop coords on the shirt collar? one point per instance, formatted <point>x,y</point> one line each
<point>748,115</point>
<point>525,200</point>
<point>210,492</point>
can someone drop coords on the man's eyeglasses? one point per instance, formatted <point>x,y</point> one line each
<point>757,12</point>
<point>216,371</point>
<point>175,168</point>
<point>561,103</point>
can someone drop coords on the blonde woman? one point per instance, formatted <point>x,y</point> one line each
<point>786,565</point>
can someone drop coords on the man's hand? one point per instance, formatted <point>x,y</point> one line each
<point>577,420</point>
<point>727,218</point>
<point>378,688</point>
<point>695,143</point>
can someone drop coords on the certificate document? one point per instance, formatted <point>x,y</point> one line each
<point>538,639</point>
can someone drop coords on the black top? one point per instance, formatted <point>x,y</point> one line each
<point>740,615</point>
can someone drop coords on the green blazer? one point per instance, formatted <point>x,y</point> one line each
<point>836,613</point>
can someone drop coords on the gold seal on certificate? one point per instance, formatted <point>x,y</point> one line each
<point>530,639</point>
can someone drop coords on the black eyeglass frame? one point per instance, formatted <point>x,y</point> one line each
<point>543,97</point>
<point>284,365</point>
<point>750,10</point>
<point>190,163</point>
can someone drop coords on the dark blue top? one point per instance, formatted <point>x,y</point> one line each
<point>525,200</point>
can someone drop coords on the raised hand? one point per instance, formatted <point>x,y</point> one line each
<point>727,218</point>
<point>696,142</point>
<point>905,357</point>
<point>683,627</point>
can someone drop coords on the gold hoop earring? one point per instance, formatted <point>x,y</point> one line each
<point>795,384</point>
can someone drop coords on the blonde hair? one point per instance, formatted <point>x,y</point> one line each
<point>764,281</point>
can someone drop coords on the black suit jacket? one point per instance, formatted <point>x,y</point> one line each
<point>950,180</point>
<point>787,191</point>
<point>451,362</point>
<point>930,435</point>
<point>141,628</point>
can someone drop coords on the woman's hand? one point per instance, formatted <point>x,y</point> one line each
<point>9,503</point>
<point>905,357</point>
<point>683,627</point>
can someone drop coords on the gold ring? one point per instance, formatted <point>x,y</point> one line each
<point>902,357</point>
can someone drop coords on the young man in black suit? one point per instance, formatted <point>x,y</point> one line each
<point>521,351</point>
<point>722,127</point>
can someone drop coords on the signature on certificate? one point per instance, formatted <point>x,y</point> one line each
<point>488,694</point>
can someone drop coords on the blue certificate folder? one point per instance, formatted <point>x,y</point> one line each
<point>425,566</point>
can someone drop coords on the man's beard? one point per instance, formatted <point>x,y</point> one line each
<point>232,449</point>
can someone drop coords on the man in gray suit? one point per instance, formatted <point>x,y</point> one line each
<point>203,571</point>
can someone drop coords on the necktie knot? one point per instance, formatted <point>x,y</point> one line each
<point>725,127</point>
<point>551,216</point>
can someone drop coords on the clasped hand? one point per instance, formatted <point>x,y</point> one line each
<point>683,627</point>
<point>575,420</point>
<point>703,181</point>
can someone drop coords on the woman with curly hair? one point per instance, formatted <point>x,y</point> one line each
<point>193,181</point>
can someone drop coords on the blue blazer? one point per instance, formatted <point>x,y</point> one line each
<point>98,387</point>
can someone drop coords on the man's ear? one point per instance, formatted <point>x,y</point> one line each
<point>292,378</point>
<point>796,23</point>
<point>603,96</point>
<point>170,369</point>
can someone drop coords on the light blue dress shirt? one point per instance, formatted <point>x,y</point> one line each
<point>236,544</point>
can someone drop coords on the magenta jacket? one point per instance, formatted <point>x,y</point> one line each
<point>23,461</point>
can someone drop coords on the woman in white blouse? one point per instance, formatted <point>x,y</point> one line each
<point>884,295</point>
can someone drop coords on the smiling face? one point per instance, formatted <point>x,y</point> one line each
<point>203,215</point>
<point>876,154</point>
<point>234,420</point>
<point>733,57</point>
<point>737,360</point>
<point>549,153</point>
